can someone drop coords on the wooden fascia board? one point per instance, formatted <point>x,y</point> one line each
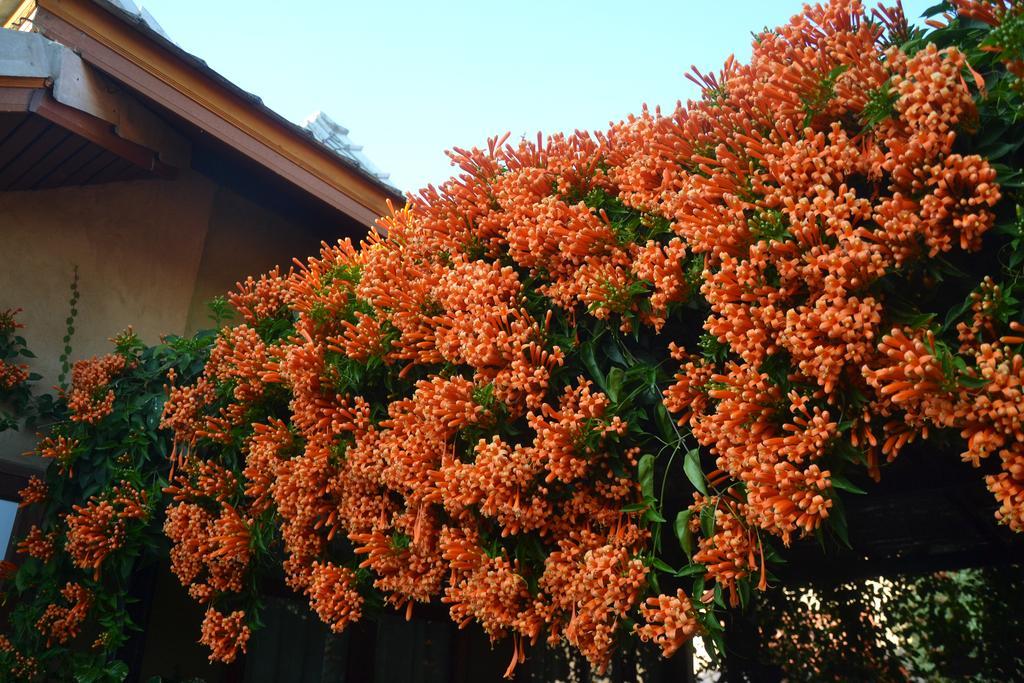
<point>121,51</point>
<point>17,99</point>
<point>24,82</point>
<point>20,14</point>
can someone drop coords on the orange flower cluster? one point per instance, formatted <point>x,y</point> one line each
<point>668,622</point>
<point>61,623</point>
<point>61,450</point>
<point>98,528</point>
<point>12,375</point>
<point>34,492</point>
<point>90,398</point>
<point>594,584</point>
<point>38,544</point>
<point>8,323</point>
<point>401,486</point>
<point>235,364</point>
<point>210,554</point>
<point>22,666</point>
<point>998,13</point>
<point>261,299</point>
<point>734,550</point>
<point>333,597</point>
<point>425,396</point>
<point>224,634</point>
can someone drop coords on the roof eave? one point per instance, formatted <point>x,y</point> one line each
<point>126,49</point>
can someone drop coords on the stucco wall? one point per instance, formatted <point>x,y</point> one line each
<point>150,254</point>
<point>243,239</point>
<point>137,246</point>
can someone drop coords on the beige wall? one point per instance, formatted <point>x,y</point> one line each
<point>137,246</point>
<point>243,239</point>
<point>150,253</point>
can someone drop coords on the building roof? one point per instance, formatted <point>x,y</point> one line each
<point>126,44</point>
<point>335,136</point>
<point>62,124</point>
<point>322,127</point>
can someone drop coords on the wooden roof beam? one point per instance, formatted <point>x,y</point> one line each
<point>99,132</point>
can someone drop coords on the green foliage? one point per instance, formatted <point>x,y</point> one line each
<point>220,311</point>
<point>816,102</point>
<point>880,105</point>
<point>69,333</point>
<point>20,404</point>
<point>125,446</point>
<point>626,366</point>
<point>960,625</point>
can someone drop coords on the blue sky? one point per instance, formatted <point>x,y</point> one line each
<point>8,510</point>
<point>411,79</point>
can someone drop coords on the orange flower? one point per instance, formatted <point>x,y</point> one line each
<point>34,492</point>
<point>98,528</point>
<point>90,399</point>
<point>669,622</point>
<point>224,634</point>
<point>61,624</point>
<point>38,544</point>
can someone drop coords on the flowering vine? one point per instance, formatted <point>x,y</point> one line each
<point>102,507</point>
<point>709,321</point>
<point>467,404</point>
<point>20,406</point>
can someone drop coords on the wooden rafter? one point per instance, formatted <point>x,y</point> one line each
<point>99,132</point>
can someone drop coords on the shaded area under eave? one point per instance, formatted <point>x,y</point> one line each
<point>930,512</point>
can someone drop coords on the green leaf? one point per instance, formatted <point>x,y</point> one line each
<point>707,521</point>
<point>614,384</point>
<point>846,485</point>
<point>719,641</point>
<point>652,515</point>
<point>692,468</point>
<point>22,578</point>
<point>744,591</point>
<point>969,382</point>
<point>645,473</point>
<point>698,587</point>
<point>664,422</point>
<point>719,597</point>
<point>691,570</point>
<point>837,520</point>
<point>90,675</point>
<point>684,533</point>
<point>590,363</point>
<point>117,670</point>
<point>661,565</point>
